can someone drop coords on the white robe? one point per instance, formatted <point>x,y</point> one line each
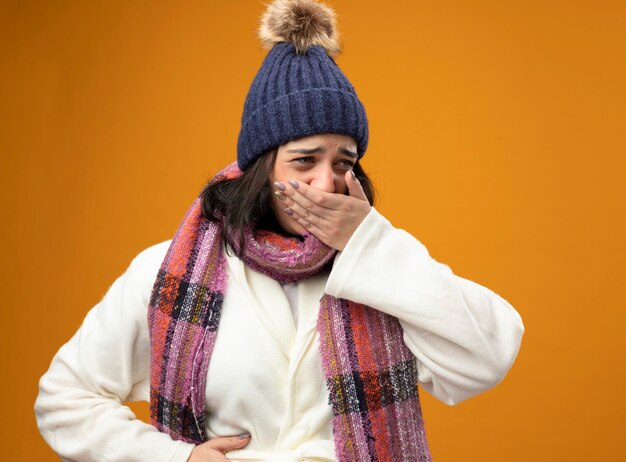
<point>265,374</point>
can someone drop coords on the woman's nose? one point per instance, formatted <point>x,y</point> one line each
<point>324,179</point>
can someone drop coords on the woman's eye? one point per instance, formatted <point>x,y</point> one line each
<point>347,163</point>
<point>304,160</point>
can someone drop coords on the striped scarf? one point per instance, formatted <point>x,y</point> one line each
<point>370,373</point>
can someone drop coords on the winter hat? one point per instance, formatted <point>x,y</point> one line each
<point>299,89</point>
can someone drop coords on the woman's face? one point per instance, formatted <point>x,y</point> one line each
<point>320,161</point>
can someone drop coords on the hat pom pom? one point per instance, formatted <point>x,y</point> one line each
<point>303,23</point>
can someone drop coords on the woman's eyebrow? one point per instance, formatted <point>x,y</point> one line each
<point>347,152</point>
<point>342,150</point>
<point>307,151</point>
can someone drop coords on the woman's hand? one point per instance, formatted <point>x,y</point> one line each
<point>332,218</point>
<point>214,449</point>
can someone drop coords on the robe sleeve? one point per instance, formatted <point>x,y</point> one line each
<point>79,408</point>
<point>465,337</point>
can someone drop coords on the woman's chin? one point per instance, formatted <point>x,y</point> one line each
<point>287,224</point>
<point>295,229</point>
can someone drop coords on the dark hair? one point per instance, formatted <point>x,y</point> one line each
<point>244,202</point>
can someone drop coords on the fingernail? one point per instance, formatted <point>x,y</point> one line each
<point>280,185</point>
<point>280,195</point>
<point>243,436</point>
<point>294,183</point>
<point>288,211</point>
<point>353,175</point>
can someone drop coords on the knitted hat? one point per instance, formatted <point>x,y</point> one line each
<point>299,89</point>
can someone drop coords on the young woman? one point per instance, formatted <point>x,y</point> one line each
<point>328,316</point>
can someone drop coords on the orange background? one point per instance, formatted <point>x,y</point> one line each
<point>496,138</point>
